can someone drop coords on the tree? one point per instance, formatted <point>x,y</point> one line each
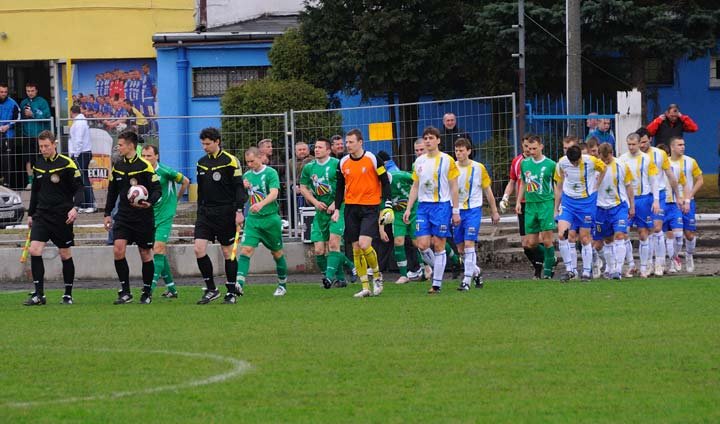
<point>395,49</point>
<point>289,56</point>
<point>241,129</point>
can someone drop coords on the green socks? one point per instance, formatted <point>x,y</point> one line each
<point>450,254</point>
<point>334,261</point>
<point>282,270</point>
<point>401,260</point>
<point>162,270</point>
<point>243,267</point>
<point>322,262</point>
<point>549,262</point>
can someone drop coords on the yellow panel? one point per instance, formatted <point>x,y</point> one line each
<point>381,131</point>
<point>89,29</point>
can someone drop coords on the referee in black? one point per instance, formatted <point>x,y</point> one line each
<point>133,223</point>
<point>221,197</point>
<point>57,186</point>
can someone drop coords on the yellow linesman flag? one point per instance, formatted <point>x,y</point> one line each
<point>381,131</point>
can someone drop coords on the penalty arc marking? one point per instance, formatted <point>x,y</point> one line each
<point>239,367</point>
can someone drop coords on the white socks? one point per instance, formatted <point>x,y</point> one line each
<point>428,256</point>
<point>469,264</point>
<point>644,254</point>
<point>678,235</point>
<point>439,268</point>
<point>690,246</point>
<point>609,254</point>
<point>587,252</point>
<point>659,248</point>
<point>570,265</point>
<point>620,249</point>
<point>629,259</point>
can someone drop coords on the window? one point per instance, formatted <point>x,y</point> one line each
<point>715,71</point>
<point>659,71</point>
<point>213,82</point>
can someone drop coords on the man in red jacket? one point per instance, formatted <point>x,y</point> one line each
<point>670,124</point>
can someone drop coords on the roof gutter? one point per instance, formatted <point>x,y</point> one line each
<point>211,37</point>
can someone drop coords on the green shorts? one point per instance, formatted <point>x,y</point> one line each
<point>323,226</point>
<point>401,229</point>
<point>263,229</point>
<point>539,217</point>
<point>162,230</point>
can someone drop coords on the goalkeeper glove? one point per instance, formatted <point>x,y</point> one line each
<point>504,203</point>
<point>387,215</point>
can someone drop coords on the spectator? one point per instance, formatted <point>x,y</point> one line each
<point>450,133</point>
<point>338,146</point>
<point>670,124</point>
<point>591,122</point>
<point>9,111</point>
<point>80,149</point>
<point>302,157</point>
<point>602,133</point>
<point>32,107</point>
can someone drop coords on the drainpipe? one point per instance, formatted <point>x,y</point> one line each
<point>182,93</point>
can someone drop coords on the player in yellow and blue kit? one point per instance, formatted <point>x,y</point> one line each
<point>576,190</point>
<point>435,187</point>
<point>472,182</point>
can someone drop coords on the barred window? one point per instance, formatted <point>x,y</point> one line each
<point>211,82</point>
<point>714,71</point>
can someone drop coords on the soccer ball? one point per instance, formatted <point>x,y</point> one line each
<point>137,194</point>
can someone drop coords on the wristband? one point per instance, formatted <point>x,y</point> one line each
<point>456,211</point>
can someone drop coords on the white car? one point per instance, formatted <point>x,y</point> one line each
<point>12,210</point>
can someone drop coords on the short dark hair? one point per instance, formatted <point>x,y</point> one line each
<point>210,133</point>
<point>642,131</point>
<point>324,140</point>
<point>664,147</point>
<point>463,142</point>
<point>129,136</point>
<point>673,106</point>
<point>570,139</point>
<point>605,150</point>
<point>431,131</point>
<point>674,139</point>
<point>128,102</point>
<point>3,85</point>
<point>526,137</point>
<point>535,139</point>
<point>31,84</point>
<point>153,148</point>
<point>336,137</point>
<point>75,109</point>
<point>592,142</point>
<point>573,153</point>
<point>46,135</point>
<point>356,132</point>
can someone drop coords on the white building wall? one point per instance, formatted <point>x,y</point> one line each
<point>223,12</point>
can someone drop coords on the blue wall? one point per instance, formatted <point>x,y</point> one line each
<point>692,93</point>
<point>179,143</point>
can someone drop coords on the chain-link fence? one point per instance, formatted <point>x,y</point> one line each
<point>487,121</point>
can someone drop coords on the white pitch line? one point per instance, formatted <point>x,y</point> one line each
<point>239,367</point>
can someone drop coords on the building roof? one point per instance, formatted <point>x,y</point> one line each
<point>263,23</point>
<point>262,28</point>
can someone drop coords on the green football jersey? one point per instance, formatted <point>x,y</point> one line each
<point>538,179</point>
<point>400,184</point>
<point>321,179</point>
<point>166,207</point>
<point>260,184</point>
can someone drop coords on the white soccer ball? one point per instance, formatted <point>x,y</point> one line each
<point>137,194</point>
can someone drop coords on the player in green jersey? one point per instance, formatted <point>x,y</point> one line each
<point>536,188</point>
<point>400,184</point>
<point>164,211</point>
<point>317,185</point>
<point>263,223</point>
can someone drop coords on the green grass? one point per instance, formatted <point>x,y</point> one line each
<point>636,351</point>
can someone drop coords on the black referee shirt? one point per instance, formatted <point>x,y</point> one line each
<point>219,180</point>
<point>127,173</point>
<point>56,183</point>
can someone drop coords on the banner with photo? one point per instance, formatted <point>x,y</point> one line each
<point>115,95</point>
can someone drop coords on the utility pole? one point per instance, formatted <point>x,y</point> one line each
<point>573,64</point>
<point>520,55</point>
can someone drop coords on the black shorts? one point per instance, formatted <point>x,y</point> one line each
<point>361,220</point>
<point>521,219</point>
<point>142,234</point>
<point>52,228</point>
<point>216,224</point>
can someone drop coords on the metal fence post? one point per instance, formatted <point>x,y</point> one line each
<point>516,136</point>
<point>290,192</point>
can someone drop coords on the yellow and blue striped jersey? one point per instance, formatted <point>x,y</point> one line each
<point>690,169</point>
<point>611,189</point>
<point>472,180</point>
<point>676,169</point>
<point>643,169</point>
<point>433,174</point>
<point>579,182</point>
<point>662,162</point>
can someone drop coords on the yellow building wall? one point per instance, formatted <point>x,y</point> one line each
<point>88,29</point>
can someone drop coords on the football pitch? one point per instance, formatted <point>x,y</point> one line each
<point>515,351</point>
